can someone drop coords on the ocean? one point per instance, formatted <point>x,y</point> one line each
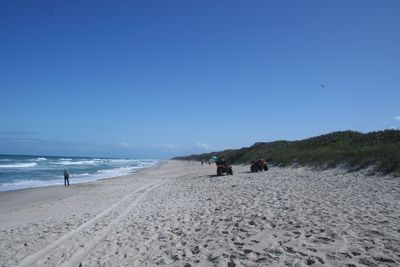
<point>19,172</point>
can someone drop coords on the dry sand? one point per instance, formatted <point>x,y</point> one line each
<point>180,213</point>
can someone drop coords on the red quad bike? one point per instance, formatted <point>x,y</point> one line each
<point>221,169</point>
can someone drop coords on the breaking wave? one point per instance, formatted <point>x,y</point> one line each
<point>19,172</point>
<point>19,165</point>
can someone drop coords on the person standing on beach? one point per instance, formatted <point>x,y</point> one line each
<point>66,177</point>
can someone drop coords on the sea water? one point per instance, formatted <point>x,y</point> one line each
<point>18,172</point>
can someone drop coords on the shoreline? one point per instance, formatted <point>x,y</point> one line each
<point>32,194</point>
<point>181,213</point>
<point>71,179</point>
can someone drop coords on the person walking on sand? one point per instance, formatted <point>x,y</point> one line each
<point>66,177</point>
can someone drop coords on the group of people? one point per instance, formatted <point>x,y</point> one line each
<point>214,159</point>
<point>205,162</point>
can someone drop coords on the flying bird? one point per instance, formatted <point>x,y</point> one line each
<point>323,86</point>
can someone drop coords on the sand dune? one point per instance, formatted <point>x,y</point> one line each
<point>180,213</point>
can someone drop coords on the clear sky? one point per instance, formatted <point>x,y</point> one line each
<point>163,78</point>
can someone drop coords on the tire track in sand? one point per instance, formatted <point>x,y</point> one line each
<point>72,241</point>
<point>77,258</point>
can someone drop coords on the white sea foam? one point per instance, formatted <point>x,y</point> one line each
<point>121,170</point>
<point>101,160</point>
<point>18,165</point>
<point>81,169</point>
<point>22,184</point>
<point>124,160</point>
<point>74,179</point>
<point>83,162</point>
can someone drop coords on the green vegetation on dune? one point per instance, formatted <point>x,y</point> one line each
<point>353,150</point>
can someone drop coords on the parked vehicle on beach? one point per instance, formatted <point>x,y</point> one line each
<point>221,169</point>
<point>258,165</point>
<point>222,166</point>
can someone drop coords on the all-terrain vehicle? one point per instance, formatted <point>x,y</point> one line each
<point>258,165</point>
<point>223,168</point>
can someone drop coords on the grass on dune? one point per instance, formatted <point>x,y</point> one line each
<point>379,151</point>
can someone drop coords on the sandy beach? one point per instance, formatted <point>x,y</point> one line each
<point>181,214</point>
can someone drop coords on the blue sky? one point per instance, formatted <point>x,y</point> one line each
<point>163,78</point>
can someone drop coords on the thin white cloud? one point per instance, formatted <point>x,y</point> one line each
<point>396,118</point>
<point>125,145</point>
<point>202,145</point>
